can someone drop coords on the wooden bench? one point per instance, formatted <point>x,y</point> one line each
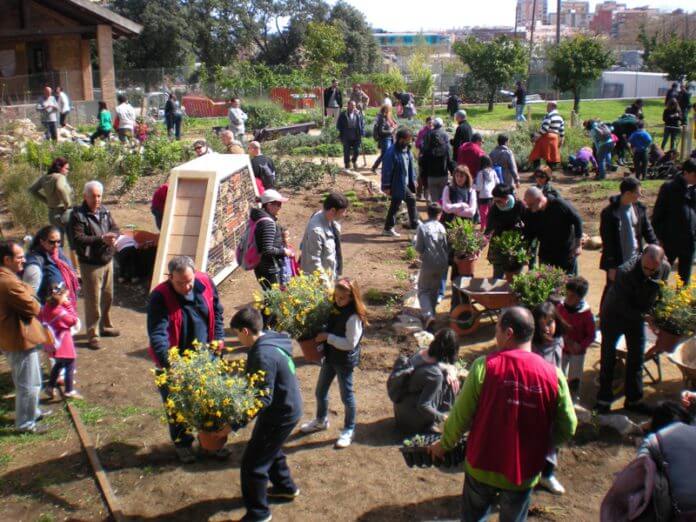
<point>271,133</point>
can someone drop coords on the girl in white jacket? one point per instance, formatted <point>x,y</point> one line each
<point>486,180</point>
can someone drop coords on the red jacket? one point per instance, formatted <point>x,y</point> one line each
<point>581,329</point>
<point>470,154</point>
<point>60,319</point>
<point>159,198</point>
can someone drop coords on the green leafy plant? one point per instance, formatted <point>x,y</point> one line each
<point>537,286</point>
<point>206,392</point>
<point>294,174</point>
<point>410,253</point>
<point>417,441</point>
<point>675,310</point>
<point>302,308</point>
<point>264,113</point>
<point>510,249</point>
<point>465,238</point>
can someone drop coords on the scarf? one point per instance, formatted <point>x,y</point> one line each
<point>509,205</point>
<point>574,309</point>
<point>68,275</point>
<point>459,194</point>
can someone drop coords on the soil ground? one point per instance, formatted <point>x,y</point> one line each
<point>48,478</point>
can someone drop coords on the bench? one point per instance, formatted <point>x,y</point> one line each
<point>271,133</point>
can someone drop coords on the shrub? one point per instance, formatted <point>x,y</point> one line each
<point>510,249</point>
<point>264,113</point>
<point>464,238</point>
<point>675,310</point>
<point>537,286</point>
<point>25,210</point>
<point>295,174</point>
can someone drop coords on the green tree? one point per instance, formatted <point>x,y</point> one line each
<point>576,63</point>
<point>676,57</point>
<point>323,45</point>
<point>361,53</point>
<point>390,81</point>
<point>495,64</point>
<point>421,78</point>
<point>165,40</point>
<point>648,41</point>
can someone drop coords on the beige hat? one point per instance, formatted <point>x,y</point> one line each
<point>270,195</point>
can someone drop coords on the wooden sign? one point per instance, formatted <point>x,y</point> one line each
<point>208,204</point>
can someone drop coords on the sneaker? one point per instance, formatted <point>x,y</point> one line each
<point>43,414</point>
<point>390,232</point>
<point>344,439</point>
<point>185,454</point>
<point>355,166</point>
<point>275,493</point>
<point>36,429</point>
<point>94,344</point>
<point>552,484</point>
<point>74,395</point>
<point>246,518</point>
<point>110,332</point>
<point>314,425</point>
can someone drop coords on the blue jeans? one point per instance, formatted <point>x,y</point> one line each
<point>384,144</point>
<point>345,385</point>
<point>26,376</point>
<point>478,498</point>
<point>603,158</point>
<point>519,112</point>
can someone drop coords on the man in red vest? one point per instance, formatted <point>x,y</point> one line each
<point>515,406</point>
<point>183,309</point>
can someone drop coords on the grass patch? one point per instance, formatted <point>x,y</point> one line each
<point>596,190</point>
<point>410,253</point>
<point>91,414</point>
<point>46,517</point>
<point>131,411</point>
<point>374,297</point>
<point>401,275</point>
<point>5,459</point>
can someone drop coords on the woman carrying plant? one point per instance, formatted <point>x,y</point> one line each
<point>383,132</point>
<point>548,343</point>
<point>431,388</point>
<point>341,355</point>
<point>105,126</point>
<point>459,197</point>
<point>505,214</point>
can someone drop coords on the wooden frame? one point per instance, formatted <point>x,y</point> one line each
<point>189,224</point>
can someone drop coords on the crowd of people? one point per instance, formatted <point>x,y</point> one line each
<point>516,403</point>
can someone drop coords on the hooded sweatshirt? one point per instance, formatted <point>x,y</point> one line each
<point>581,327</point>
<point>272,354</point>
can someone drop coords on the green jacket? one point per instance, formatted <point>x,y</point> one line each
<point>105,121</point>
<point>464,410</point>
<point>54,190</point>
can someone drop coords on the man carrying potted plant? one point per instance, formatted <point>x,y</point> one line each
<point>271,354</point>
<point>183,309</point>
<point>634,292</point>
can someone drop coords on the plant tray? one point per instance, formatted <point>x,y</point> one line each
<point>418,456</point>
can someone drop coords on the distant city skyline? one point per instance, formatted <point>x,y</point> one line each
<point>400,16</point>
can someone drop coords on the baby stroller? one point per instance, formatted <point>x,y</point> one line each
<point>662,165</point>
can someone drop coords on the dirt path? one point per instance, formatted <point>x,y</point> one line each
<point>47,478</point>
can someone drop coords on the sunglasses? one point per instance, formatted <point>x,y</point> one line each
<point>53,241</point>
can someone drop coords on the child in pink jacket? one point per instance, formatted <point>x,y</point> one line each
<point>59,316</point>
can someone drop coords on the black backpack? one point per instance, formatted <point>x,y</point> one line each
<point>438,144</point>
<point>397,383</point>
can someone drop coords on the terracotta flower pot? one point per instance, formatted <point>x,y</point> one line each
<point>465,265</point>
<point>310,350</point>
<point>214,440</point>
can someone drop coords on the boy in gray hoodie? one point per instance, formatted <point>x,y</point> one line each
<point>431,244</point>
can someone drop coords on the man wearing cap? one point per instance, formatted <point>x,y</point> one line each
<point>437,159</point>
<point>268,236</point>
<point>464,131</point>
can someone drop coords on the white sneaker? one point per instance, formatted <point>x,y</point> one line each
<point>345,439</point>
<point>314,425</point>
<point>552,484</point>
<point>390,232</point>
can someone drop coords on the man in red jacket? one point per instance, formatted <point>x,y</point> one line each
<point>470,154</point>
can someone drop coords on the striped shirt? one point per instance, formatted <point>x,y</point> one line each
<point>553,122</point>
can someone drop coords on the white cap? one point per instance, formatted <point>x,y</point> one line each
<point>271,195</point>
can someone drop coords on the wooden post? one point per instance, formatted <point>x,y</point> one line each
<point>86,68</point>
<point>107,75</point>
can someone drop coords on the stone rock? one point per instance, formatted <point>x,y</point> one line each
<point>593,243</point>
<point>411,303</point>
<point>620,423</point>
<point>423,338</point>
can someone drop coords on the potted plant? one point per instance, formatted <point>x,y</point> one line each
<point>209,394</point>
<point>674,315</point>
<point>415,452</point>
<point>301,309</point>
<point>510,250</point>
<point>536,286</point>
<point>466,242</point>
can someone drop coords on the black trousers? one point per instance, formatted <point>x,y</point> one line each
<point>613,327</point>
<point>410,199</point>
<point>640,163</point>
<point>264,459</point>
<point>351,150</point>
<point>685,254</point>
<point>672,134</point>
<point>50,130</point>
<point>104,134</point>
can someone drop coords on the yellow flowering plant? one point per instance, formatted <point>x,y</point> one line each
<point>206,392</point>
<point>302,308</point>
<point>675,309</point>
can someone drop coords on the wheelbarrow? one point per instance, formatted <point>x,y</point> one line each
<point>684,356</point>
<point>482,297</point>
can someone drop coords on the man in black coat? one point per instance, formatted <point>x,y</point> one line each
<point>351,127</point>
<point>632,295</point>
<point>333,100</point>
<point>624,228</point>
<point>463,133</point>
<point>674,218</point>
<point>437,159</point>
<point>452,104</point>
<point>557,226</point>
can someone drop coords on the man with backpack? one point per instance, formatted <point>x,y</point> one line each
<point>437,159</point>
<point>263,166</point>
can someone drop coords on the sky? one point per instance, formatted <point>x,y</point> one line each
<point>416,15</point>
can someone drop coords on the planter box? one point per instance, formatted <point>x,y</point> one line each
<point>419,457</point>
